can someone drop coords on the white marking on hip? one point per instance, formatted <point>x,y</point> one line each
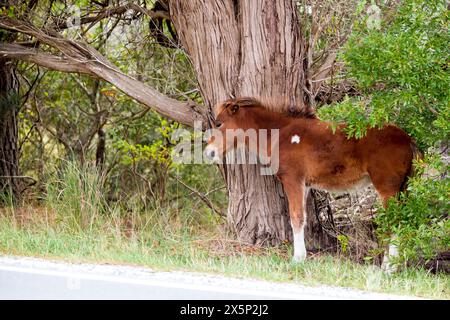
<point>295,138</point>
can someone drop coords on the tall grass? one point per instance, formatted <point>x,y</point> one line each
<point>76,223</point>
<point>75,196</point>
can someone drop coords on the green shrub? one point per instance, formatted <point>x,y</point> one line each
<point>401,69</point>
<point>420,218</point>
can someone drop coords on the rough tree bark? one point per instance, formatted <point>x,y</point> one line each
<point>9,103</point>
<point>248,48</point>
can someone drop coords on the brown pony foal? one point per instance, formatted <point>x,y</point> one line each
<point>312,156</point>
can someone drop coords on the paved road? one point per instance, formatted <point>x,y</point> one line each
<point>30,278</point>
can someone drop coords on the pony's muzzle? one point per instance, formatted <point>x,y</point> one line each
<point>212,153</point>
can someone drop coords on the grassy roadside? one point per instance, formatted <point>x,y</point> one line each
<point>171,246</point>
<point>76,223</point>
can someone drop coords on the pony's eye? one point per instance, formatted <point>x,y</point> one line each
<point>218,124</point>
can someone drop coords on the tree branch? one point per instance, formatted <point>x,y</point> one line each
<point>323,71</point>
<point>109,12</point>
<point>79,57</point>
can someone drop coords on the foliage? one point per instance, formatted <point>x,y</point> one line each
<point>420,218</point>
<point>401,70</point>
<point>343,241</point>
<point>158,150</point>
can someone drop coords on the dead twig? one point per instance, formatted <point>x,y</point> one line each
<point>201,196</point>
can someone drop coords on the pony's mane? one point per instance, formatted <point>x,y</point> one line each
<point>281,105</point>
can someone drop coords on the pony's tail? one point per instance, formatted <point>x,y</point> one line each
<point>416,155</point>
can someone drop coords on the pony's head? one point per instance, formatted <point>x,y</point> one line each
<point>238,120</point>
<point>230,123</point>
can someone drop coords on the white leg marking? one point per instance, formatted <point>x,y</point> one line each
<point>299,234</point>
<point>299,244</point>
<point>392,252</point>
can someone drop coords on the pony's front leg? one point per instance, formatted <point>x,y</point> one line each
<point>297,193</point>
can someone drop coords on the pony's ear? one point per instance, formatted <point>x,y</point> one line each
<point>232,108</point>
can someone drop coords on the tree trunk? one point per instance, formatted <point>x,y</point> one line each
<point>246,48</point>
<point>9,101</point>
<point>101,148</point>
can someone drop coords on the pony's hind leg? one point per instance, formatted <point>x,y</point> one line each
<point>388,186</point>
<point>390,253</point>
<point>297,193</point>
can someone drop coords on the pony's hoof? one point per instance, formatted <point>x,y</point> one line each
<point>298,259</point>
<point>389,268</point>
